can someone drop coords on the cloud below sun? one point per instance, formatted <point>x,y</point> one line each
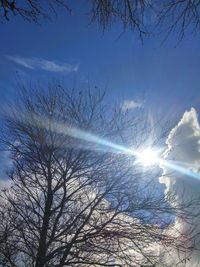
<point>183,146</point>
<point>34,63</point>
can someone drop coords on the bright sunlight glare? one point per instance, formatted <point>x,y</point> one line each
<point>148,157</point>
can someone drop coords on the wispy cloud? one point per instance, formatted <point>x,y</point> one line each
<point>131,104</point>
<point>43,64</point>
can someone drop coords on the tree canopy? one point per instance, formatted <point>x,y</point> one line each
<point>73,201</point>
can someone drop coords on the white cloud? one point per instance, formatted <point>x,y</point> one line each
<point>131,104</point>
<point>183,147</point>
<point>43,64</point>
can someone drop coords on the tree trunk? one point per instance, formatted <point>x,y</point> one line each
<point>42,248</point>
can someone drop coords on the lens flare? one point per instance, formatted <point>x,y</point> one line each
<point>146,157</point>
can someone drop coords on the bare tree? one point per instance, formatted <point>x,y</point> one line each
<point>73,200</point>
<point>181,17</point>
<point>30,10</point>
<point>131,13</point>
<point>8,242</point>
<point>140,15</point>
<point>171,16</point>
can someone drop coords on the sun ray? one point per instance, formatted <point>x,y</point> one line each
<point>147,157</point>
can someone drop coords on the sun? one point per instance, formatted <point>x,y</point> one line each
<point>147,157</point>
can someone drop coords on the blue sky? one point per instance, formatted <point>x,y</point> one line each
<point>166,74</point>
<point>70,49</point>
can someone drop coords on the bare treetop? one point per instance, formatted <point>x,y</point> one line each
<point>143,17</point>
<point>30,10</point>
